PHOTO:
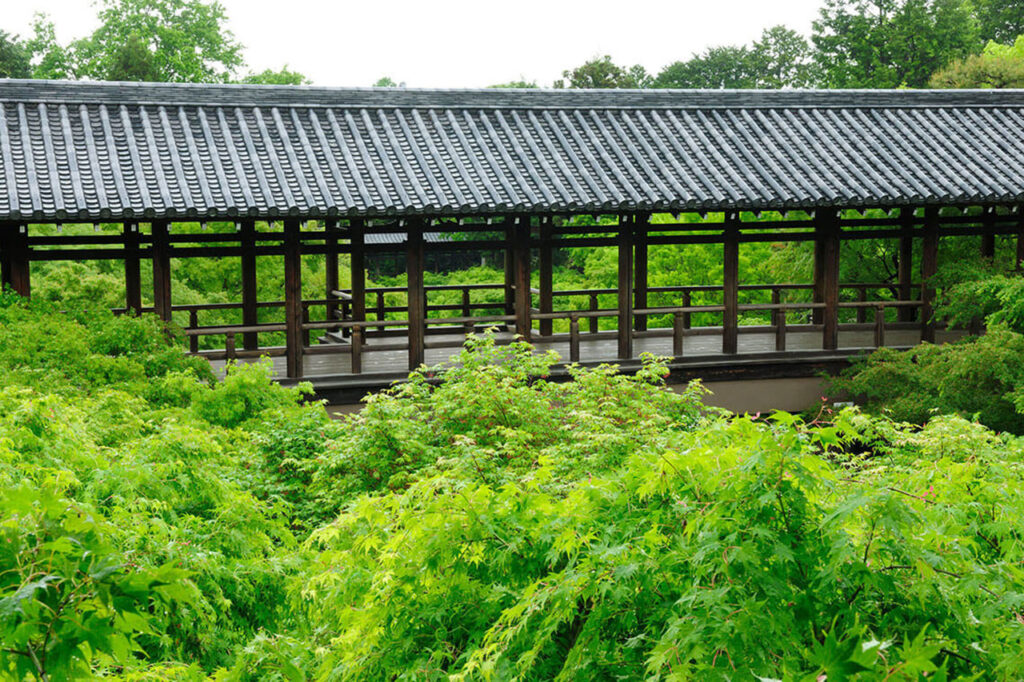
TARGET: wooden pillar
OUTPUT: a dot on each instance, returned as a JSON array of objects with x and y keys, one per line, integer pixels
[
  {"x": 250, "y": 314},
  {"x": 357, "y": 275},
  {"x": 905, "y": 264},
  {"x": 988, "y": 239},
  {"x": 416, "y": 295},
  {"x": 625, "y": 293},
  {"x": 640, "y": 270},
  {"x": 161, "y": 270},
  {"x": 546, "y": 303},
  {"x": 510, "y": 276},
  {"x": 818, "y": 292},
  {"x": 331, "y": 283},
  {"x": 15, "y": 257},
  {"x": 132, "y": 274},
  {"x": 730, "y": 284},
  {"x": 828, "y": 227},
  {"x": 929, "y": 264},
  {"x": 294, "y": 335},
  {"x": 522, "y": 277}
]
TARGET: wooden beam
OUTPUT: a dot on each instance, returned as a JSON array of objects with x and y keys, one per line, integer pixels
[
  {"x": 905, "y": 264},
  {"x": 15, "y": 257},
  {"x": 161, "y": 270},
  {"x": 294, "y": 337},
  {"x": 546, "y": 304},
  {"x": 730, "y": 285},
  {"x": 522, "y": 278},
  {"x": 132, "y": 269},
  {"x": 640, "y": 270},
  {"x": 929, "y": 265},
  {"x": 625, "y": 292},
  {"x": 416, "y": 295},
  {"x": 250, "y": 296},
  {"x": 829, "y": 245}
]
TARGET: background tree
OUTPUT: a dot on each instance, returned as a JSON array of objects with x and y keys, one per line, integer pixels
[
  {"x": 283, "y": 76},
  {"x": 782, "y": 58},
  {"x": 14, "y": 58},
  {"x": 1000, "y": 20},
  {"x": 50, "y": 59},
  {"x": 601, "y": 72},
  {"x": 715, "y": 68},
  {"x": 999, "y": 66},
  {"x": 891, "y": 43},
  {"x": 519, "y": 84},
  {"x": 385, "y": 82}
]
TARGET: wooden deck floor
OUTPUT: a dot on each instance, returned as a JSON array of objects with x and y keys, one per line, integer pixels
[{"x": 382, "y": 367}]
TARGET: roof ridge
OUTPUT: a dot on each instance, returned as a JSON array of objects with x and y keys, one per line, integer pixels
[{"x": 219, "y": 94}]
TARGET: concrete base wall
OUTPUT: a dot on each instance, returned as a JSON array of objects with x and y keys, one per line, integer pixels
[{"x": 765, "y": 395}]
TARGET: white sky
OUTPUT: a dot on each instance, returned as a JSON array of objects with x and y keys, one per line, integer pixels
[{"x": 461, "y": 43}]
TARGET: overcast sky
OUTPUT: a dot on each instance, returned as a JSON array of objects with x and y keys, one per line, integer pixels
[{"x": 461, "y": 43}]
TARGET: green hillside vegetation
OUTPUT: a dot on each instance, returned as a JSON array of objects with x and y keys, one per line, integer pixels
[{"x": 479, "y": 522}]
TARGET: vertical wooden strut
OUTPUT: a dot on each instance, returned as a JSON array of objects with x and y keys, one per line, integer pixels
[
  {"x": 929, "y": 264},
  {"x": 331, "y": 283},
  {"x": 818, "y": 291},
  {"x": 250, "y": 315},
  {"x": 625, "y": 293},
  {"x": 828, "y": 224},
  {"x": 15, "y": 257},
  {"x": 730, "y": 284},
  {"x": 416, "y": 295},
  {"x": 522, "y": 277},
  {"x": 357, "y": 267},
  {"x": 294, "y": 335},
  {"x": 132, "y": 275},
  {"x": 161, "y": 270},
  {"x": 906, "y": 262},
  {"x": 546, "y": 276},
  {"x": 640, "y": 270},
  {"x": 510, "y": 276}
]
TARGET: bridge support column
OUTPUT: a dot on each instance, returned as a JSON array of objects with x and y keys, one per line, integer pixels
[
  {"x": 161, "y": 270},
  {"x": 294, "y": 334},
  {"x": 929, "y": 265},
  {"x": 625, "y": 292},
  {"x": 640, "y": 271},
  {"x": 521, "y": 261},
  {"x": 15, "y": 258},
  {"x": 730, "y": 285},
  {"x": 905, "y": 263},
  {"x": 250, "y": 316},
  {"x": 132, "y": 275},
  {"x": 546, "y": 303},
  {"x": 416, "y": 295},
  {"x": 828, "y": 224}
]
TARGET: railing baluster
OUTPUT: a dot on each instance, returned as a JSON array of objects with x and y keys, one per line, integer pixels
[
  {"x": 229, "y": 345},
  {"x": 574, "y": 337},
  {"x": 193, "y": 323},
  {"x": 380, "y": 306},
  {"x": 779, "y": 320},
  {"x": 687, "y": 298},
  {"x": 593, "y": 307},
  {"x": 467, "y": 326},
  {"x": 357, "y": 350},
  {"x": 879, "y": 326},
  {"x": 678, "y": 329}
]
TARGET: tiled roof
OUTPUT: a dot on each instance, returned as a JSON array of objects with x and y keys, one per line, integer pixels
[{"x": 118, "y": 150}]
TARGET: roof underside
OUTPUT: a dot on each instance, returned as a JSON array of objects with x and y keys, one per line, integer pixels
[{"x": 126, "y": 151}]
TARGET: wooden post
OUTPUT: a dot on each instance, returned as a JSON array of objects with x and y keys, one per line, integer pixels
[
  {"x": 828, "y": 226},
  {"x": 293, "y": 298},
  {"x": 546, "y": 276},
  {"x": 678, "y": 330},
  {"x": 510, "y": 267},
  {"x": 574, "y": 338},
  {"x": 250, "y": 297},
  {"x": 357, "y": 260},
  {"x": 15, "y": 259},
  {"x": 161, "y": 270},
  {"x": 779, "y": 320},
  {"x": 906, "y": 263},
  {"x": 625, "y": 293},
  {"x": 818, "y": 295},
  {"x": 331, "y": 282},
  {"x": 357, "y": 350},
  {"x": 132, "y": 276},
  {"x": 929, "y": 264},
  {"x": 730, "y": 285},
  {"x": 522, "y": 277},
  {"x": 416, "y": 303},
  {"x": 640, "y": 270},
  {"x": 988, "y": 239}
]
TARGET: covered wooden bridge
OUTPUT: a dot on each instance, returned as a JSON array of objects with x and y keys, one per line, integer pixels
[{"x": 286, "y": 172}]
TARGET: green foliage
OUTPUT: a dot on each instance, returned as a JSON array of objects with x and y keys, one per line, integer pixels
[
  {"x": 283, "y": 76},
  {"x": 999, "y": 66},
  {"x": 1000, "y": 20},
  {"x": 601, "y": 72},
  {"x": 15, "y": 61},
  {"x": 891, "y": 43}
]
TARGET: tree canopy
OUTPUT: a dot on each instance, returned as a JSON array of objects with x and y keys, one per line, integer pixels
[
  {"x": 14, "y": 57},
  {"x": 999, "y": 66}
]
